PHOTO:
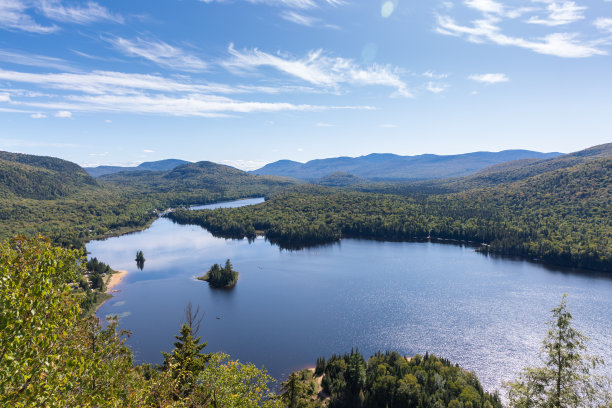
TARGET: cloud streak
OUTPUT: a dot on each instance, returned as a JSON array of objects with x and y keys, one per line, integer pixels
[
  {"x": 161, "y": 53},
  {"x": 489, "y": 78},
  {"x": 15, "y": 15},
  {"x": 319, "y": 69},
  {"x": 102, "y": 91},
  {"x": 488, "y": 28}
]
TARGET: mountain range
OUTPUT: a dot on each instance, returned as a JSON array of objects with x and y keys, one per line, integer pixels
[
  {"x": 159, "y": 165},
  {"x": 389, "y": 167}
]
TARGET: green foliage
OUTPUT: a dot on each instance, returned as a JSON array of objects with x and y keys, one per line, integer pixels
[
  {"x": 221, "y": 277},
  {"x": 561, "y": 217},
  {"x": 49, "y": 356},
  {"x": 56, "y": 198},
  {"x": 391, "y": 380},
  {"x": 52, "y": 357},
  {"x": 565, "y": 379}
]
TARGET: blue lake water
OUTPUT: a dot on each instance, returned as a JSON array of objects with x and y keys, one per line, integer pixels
[{"x": 486, "y": 313}]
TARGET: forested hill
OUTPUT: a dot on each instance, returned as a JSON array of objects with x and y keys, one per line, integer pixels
[
  {"x": 196, "y": 183},
  {"x": 515, "y": 170},
  {"x": 159, "y": 165},
  {"x": 40, "y": 177},
  {"x": 561, "y": 216},
  {"x": 394, "y": 167},
  {"x": 60, "y": 200}
]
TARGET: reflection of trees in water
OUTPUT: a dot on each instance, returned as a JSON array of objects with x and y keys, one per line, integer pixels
[{"x": 140, "y": 260}]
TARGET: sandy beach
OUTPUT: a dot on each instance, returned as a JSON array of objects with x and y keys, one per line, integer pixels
[{"x": 115, "y": 279}]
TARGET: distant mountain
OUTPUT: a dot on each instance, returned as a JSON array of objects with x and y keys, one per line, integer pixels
[
  {"x": 167, "y": 164},
  {"x": 518, "y": 170},
  {"x": 40, "y": 177},
  {"x": 393, "y": 167}
]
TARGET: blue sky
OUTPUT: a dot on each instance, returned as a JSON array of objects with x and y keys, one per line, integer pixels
[{"x": 247, "y": 82}]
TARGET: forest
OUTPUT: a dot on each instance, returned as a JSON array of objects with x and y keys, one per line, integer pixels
[{"x": 560, "y": 217}]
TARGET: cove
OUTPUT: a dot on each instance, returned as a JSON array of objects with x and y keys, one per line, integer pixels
[{"x": 487, "y": 314}]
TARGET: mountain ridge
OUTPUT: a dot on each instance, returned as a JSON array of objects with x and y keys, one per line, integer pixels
[
  {"x": 166, "y": 164},
  {"x": 389, "y": 166}
]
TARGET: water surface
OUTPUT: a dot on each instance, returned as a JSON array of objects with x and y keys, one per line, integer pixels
[{"x": 486, "y": 313}]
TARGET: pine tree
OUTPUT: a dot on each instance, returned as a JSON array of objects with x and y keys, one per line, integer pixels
[
  {"x": 292, "y": 391},
  {"x": 566, "y": 378},
  {"x": 187, "y": 361}
]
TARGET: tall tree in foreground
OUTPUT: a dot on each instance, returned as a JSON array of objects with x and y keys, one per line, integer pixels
[{"x": 566, "y": 378}]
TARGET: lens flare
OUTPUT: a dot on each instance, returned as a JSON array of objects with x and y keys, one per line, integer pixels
[{"x": 388, "y": 7}]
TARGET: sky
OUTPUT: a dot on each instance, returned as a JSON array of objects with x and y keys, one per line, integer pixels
[{"x": 248, "y": 82}]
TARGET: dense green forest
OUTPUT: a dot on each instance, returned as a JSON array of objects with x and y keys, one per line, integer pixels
[
  {"x": 388, "y": 380},
  {"x": 562, "y": 216},
  {"x": 60, "y": 200}
]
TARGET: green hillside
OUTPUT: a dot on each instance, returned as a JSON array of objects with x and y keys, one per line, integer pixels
[
  {"x": 562, "y": 216},
  {"x": 39, "y": 177},
  {"x": 57, "y": 198}
]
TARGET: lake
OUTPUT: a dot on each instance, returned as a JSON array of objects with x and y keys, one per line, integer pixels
[{"x": 486, "y": 313}]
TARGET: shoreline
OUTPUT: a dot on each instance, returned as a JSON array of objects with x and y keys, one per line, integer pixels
[{"x": 114, "y": 280}]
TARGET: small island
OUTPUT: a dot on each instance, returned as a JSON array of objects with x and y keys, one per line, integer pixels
[{"x": 218, "y": 277}]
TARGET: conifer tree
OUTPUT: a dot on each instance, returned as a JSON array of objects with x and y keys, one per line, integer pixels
[{"x": 566, "y": 377}]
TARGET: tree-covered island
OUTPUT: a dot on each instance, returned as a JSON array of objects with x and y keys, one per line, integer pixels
[{"x": 221, "y": 277}]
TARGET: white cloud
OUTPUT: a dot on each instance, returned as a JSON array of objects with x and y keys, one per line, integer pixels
[
  {"x": 433, "y": 75},
  {"x": 566, "y": 45},
  {"x": 38, "y": 115},
  {"x": 299, "y": 4},
  {"x": 486, "y": 6},
  {"x": 13, "y": 16},
  {"x": 489, "y": 78},
  {"x": 319, "y": 69},
  {"x": 144, "y": 94},
  {"x": 559, "y": 13},
  {"x": 436, "y": 87},
  {"x": 148, "y": 151},
  {"x": 34, "y": 60},
  {"x": 298, "y": 18},
  {"x": 388, "y": 126},
  {"x": 245, "y": 165},
  {"x": 321, "y": 124},
  {"x": 604, "y": 23},
  {"x": 88, "y": 13},
  {"x": 160, "y": 53},
  {"x": 63, "y": 114},
  {"x": 4, "y": 97}
]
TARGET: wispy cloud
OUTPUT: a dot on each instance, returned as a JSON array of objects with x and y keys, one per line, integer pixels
[
  {"x": 489, "y": 78},
  {"x": 604, "y": 24},
  {"x": 320, "y": 70},
  {"x": 33, "y": 60},
  {"x": 298, "y": 18},
  {"x": 4, "y": 97},
  {"x": 324, "y": 125},
  {"x": 63, "y": 114},
  {"x": 84, "y": 13},
  {"x": 297, "y": 4},
  {"x": 16, "y": 15},
  {"x": 559, "y": 13},
  {"x": 144, "y": 94},
  {"x": 488, "y": 28},
  {"x": 38, "y": 115},
  {"x": 436, "y": 87},
  {"x": 159, "y": 52},
  {"x": 13, "y": 16}
]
